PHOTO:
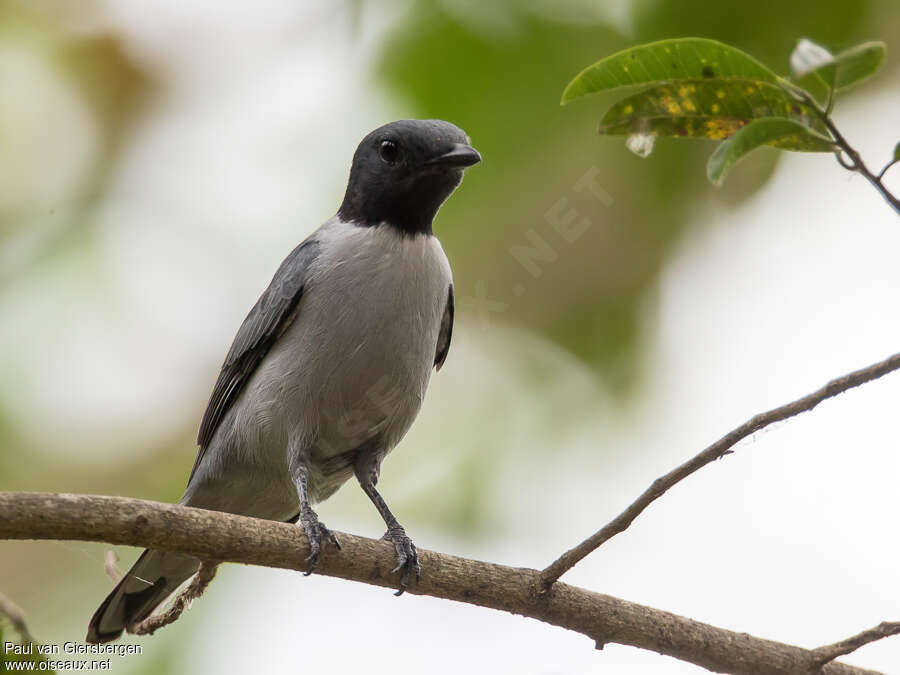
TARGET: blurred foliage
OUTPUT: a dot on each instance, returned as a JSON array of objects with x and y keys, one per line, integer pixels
[
  {"x": 12, "y": 657},
  {"x": 51, "y": 65},
  {"x": 497, "y": 70}
]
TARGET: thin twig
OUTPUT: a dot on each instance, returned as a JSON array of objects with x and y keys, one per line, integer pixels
[
  {"x": 16, "y": 617},
  {"x": 194, "y": 590},
  {"x": 111, "y": 567},
  {"x": 830, "y": 652},
  {"x": 857, "y": 164},
  {"x": 860, "y": 165},
  {"x": 718, "y": 449},
  {"x": 839, "y": 156},
  {"x": 212, "y": 535}
]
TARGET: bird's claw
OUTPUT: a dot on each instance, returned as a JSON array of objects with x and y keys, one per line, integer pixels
[
  {"x": 316, "y": 532},
  {"x": 407, "y": 556}
]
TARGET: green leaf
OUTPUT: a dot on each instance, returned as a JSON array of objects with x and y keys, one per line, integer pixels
[
  {"x": 666, "y": 60},
  {"x": 858, "y": 63},
  {"x": 897, "y": 152},
  {"x": 779, "y": 131},
  {"x": 849, "y": 66},
  {"x": 703, "y": 109}
]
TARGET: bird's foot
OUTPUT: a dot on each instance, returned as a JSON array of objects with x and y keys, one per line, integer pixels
[
  {"x": 317, "y": 533},
  {"x": 407, "y": 556}
]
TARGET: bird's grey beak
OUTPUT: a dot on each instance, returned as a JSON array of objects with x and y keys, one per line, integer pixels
[{"x": 460, "y": 155}]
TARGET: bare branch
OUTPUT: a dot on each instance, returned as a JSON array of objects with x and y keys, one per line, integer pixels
[
  {"x": 715, "y": 451},
  {"x": 212, "y": 535},
  {"x": 194, "y": 590},
  {"x": 831, "y": 652},
  {"x": 16, "y": 617}
]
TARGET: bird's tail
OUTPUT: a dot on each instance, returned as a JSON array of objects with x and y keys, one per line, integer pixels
[{"x": 152, "y": 579}]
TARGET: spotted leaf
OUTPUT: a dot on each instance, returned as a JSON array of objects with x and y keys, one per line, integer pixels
[
  {"x": 781, "y": 131},
  {"x": 712, "y": 109},
  {"x": 666, "y": 60}
]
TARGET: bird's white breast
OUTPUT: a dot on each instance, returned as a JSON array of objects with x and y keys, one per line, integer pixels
[{"x": 357, "y": 359}]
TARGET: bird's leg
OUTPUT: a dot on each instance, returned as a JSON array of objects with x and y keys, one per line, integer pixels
[
  {"x": 407, "y": 556},
  {"x": 315, "y": 530}
]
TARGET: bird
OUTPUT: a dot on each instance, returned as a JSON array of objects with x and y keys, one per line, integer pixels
[{"x": 330, "y": 367}]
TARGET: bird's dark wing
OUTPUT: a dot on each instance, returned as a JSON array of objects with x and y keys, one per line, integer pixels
[
  {"x": 443, "y": 343},
  {"x": 271, "y": 315}
]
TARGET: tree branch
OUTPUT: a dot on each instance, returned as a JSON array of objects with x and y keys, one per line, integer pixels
[
  {"x": 715, "y": 451},
  {"x": 831, "y": 652},
  {"x": 211, "y": 535}
]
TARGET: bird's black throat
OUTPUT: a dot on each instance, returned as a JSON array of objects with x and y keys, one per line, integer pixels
[{"x": 408, "y": 204}]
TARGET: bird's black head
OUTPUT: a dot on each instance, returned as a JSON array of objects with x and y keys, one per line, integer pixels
[{"x": 403, "y": 172}]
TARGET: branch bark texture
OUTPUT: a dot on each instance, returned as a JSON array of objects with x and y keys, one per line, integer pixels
[{"x": 215, "y": 536}]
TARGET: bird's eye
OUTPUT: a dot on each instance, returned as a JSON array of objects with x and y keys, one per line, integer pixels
[{"x": 389, "y": 152}]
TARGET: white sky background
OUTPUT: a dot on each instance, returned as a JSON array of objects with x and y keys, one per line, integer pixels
[{"x": 791, "y": 538}]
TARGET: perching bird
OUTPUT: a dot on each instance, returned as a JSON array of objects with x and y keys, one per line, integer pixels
[{"x": 329, "y": 369}]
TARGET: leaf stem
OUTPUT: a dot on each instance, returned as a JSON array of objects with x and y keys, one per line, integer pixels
[
  {"x": 830, "y": 105},
  {"x": 829, "y": 100},
  {"x": 887, "y": 166}
]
